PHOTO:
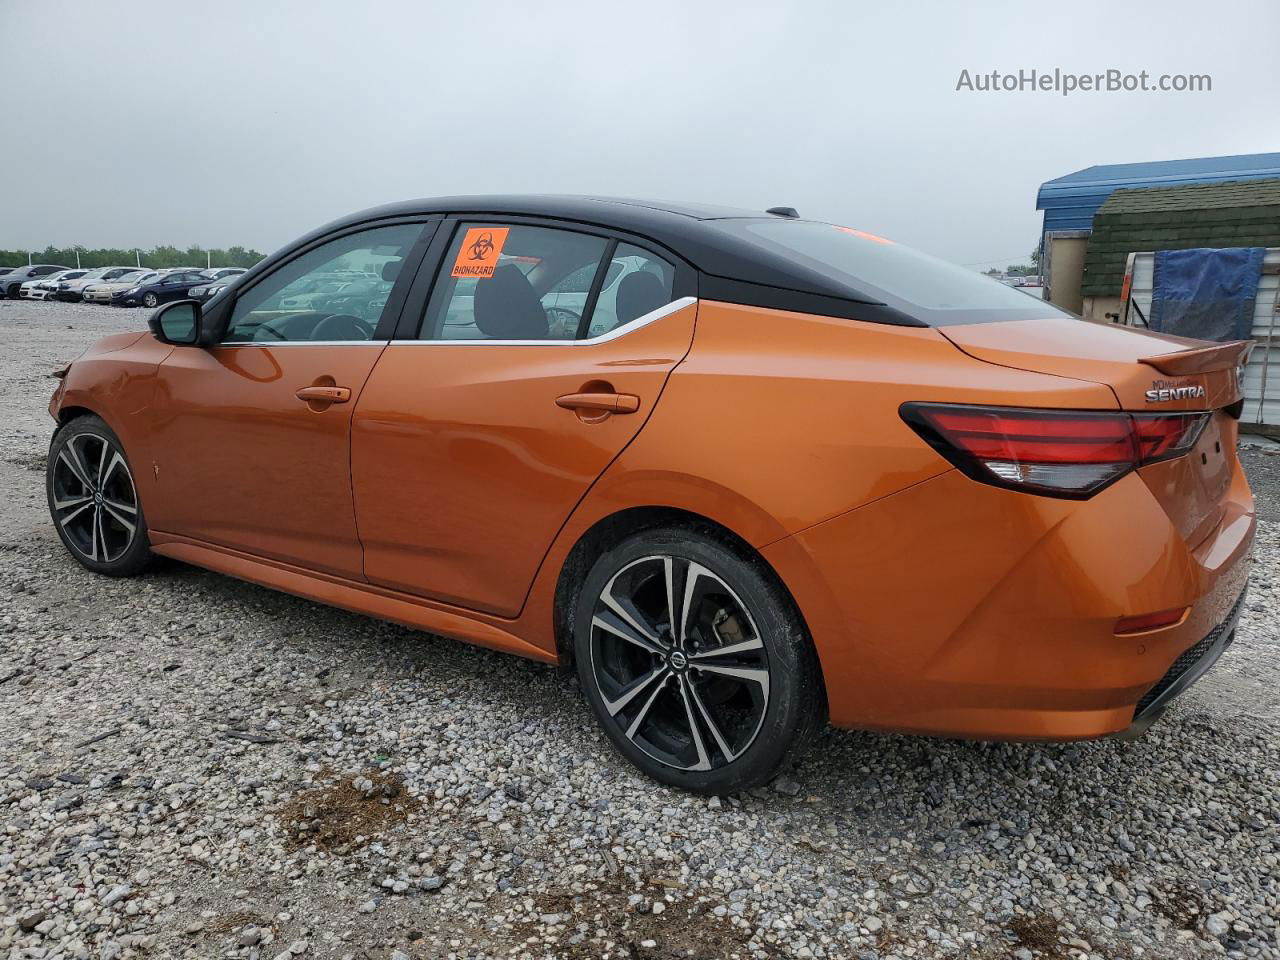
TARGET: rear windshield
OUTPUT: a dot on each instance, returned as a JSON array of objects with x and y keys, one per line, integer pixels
[{"x": 931, "y": 290}]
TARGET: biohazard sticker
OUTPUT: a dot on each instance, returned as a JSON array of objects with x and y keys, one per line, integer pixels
[{"x": 478, "y": 255}]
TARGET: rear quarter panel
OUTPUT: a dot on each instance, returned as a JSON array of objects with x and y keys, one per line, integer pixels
[{"x": 777, "y": 420}]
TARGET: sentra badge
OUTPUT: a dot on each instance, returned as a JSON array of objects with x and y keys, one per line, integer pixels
[{"x": 1162, "y": 391}]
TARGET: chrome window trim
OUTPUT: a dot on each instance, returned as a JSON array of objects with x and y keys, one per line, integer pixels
[
  {"x": 641, "y": 321},
  {"x": 302, "y": 343}
]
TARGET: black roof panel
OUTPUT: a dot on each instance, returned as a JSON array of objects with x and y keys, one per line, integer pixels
[{"x": 732, "y": 267}]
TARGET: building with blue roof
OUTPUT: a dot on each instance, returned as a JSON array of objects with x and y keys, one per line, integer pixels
[{"x": 1070, "y": 203}]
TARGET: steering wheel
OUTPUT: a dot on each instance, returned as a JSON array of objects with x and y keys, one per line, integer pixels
[{"x": 341, "y": 326}]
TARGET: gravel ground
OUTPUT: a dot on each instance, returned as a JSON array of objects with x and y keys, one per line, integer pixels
[{"x": 195, "y": 767}]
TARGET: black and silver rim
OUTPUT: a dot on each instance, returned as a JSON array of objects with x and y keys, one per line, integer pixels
[
  {"x": 94, "y": 500},
  {"x": 679, "y": 663}
]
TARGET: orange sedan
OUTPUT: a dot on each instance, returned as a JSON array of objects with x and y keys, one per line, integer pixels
[{"x": 748, "y": 472}]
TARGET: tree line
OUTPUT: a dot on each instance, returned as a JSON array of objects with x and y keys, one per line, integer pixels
[{"x": 155, "y": 258}]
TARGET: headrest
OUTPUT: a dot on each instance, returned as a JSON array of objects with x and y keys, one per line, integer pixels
[
  {"x": 507, "y": 308},
  {"x": 638, "y": 294},
  {"x": 391, "y": 270}
]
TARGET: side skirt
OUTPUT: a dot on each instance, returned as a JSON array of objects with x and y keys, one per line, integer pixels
[{"x": 402, "y": 608}]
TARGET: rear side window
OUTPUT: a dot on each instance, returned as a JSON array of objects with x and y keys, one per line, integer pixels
[
  {"x": 638, "y": 283},
  {"x": 932, "y": 290},
  {"x": 517, "y": 282}
]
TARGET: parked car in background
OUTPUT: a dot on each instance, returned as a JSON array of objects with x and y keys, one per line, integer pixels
[
  {"x": 357, "y": 296},
  {"x": 73, "y": 290},
  {"x": 42, "y": 288},
  {"x": 11, "y": 282},
  {"x": 221, "y": 273},
  {"x": 101, "y": 291},
  {"x": 159, "y": 289},
  {"x": 207, "y": 291}
]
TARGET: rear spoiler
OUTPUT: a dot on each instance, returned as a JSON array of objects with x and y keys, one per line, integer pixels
[{"x": 1217, "y": 356}]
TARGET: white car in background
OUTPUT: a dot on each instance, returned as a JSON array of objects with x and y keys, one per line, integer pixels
[
  {"x": 42, "y": 288},
  {"x": 73, "y": 290},
  {"x": 100, "y": 290}
]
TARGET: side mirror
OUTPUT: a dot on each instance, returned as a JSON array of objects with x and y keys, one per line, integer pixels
[{"x": 177, "y": 323}]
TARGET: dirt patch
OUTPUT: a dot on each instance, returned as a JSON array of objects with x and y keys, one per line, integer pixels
[
  {"x": 1181, "y": 906},
  {"x": 676, "y": 932},
  {"x": 230, "y": 922},
  {"x": 348, "y": 813},
  {"x": 1037, "y": 932},
  {"x": 34, "y": 462}
]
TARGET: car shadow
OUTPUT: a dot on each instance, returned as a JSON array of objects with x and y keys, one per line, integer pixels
[{"x": 934, "y": 783}]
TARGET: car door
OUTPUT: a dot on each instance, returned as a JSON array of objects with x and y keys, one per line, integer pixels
[
  {"x": 252, "y": 435},
  {"x": 174, "y": 286},
  {"x": 488, "y": 419}
]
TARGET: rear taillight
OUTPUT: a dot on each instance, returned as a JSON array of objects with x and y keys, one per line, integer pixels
[{"x": 1060, "y": 453}]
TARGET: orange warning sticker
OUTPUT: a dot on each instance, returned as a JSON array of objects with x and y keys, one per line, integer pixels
[
  {"x": 478, "y": 255},
  {"x": 864, "y": 235}
]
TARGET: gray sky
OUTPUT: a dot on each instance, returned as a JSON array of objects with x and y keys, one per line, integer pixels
[{"x": 252, "y": 122}]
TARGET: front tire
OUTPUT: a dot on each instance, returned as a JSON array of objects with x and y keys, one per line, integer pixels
[
  {"x": 93, "y": 500},
  {"x": 695, "y": 662},
  {"x": 150, "y": 300}
]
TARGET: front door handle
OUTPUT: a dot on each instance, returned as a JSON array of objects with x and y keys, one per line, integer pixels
[
  {"x": 600, "y": 402},
  {"x": 325, "y": 395}
]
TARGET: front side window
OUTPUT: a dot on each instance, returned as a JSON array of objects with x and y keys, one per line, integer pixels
[
  {"x": 336, "y": 291},
  {"x": 512, "y": 283}
]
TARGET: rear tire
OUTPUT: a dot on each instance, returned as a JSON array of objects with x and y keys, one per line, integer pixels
[
  {"x": 93, "y": 500},
  {"x": 695, "y": 662}
]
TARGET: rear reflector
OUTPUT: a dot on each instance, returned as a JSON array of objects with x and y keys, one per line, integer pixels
[
  {"x": 1063, "y": 453},
  {"x": 1150, "y": 621}
]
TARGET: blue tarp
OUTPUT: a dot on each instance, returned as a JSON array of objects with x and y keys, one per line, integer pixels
[{"x": 1206, "y": 293}]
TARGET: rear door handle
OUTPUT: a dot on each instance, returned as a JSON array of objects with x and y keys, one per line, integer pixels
[
  {"x": 600, "y": 402},
  {"x": 324, "y": 394}
]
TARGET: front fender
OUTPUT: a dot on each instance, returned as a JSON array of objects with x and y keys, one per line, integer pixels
[{"x": 115, "y": 379}]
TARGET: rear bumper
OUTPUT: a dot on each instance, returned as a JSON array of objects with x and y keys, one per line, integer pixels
[
  {"x": 1192, "y": 664},
  {"x": 957, "y": 609}
]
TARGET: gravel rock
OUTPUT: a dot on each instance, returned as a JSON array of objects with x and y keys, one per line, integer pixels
[{"x": 358, "y": 789}]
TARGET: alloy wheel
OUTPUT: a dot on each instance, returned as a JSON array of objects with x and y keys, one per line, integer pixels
[
  {"x": 150, "y": 300},
  {"x": 94, "y": 499},
  {"x": 679, "y": 663}
]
